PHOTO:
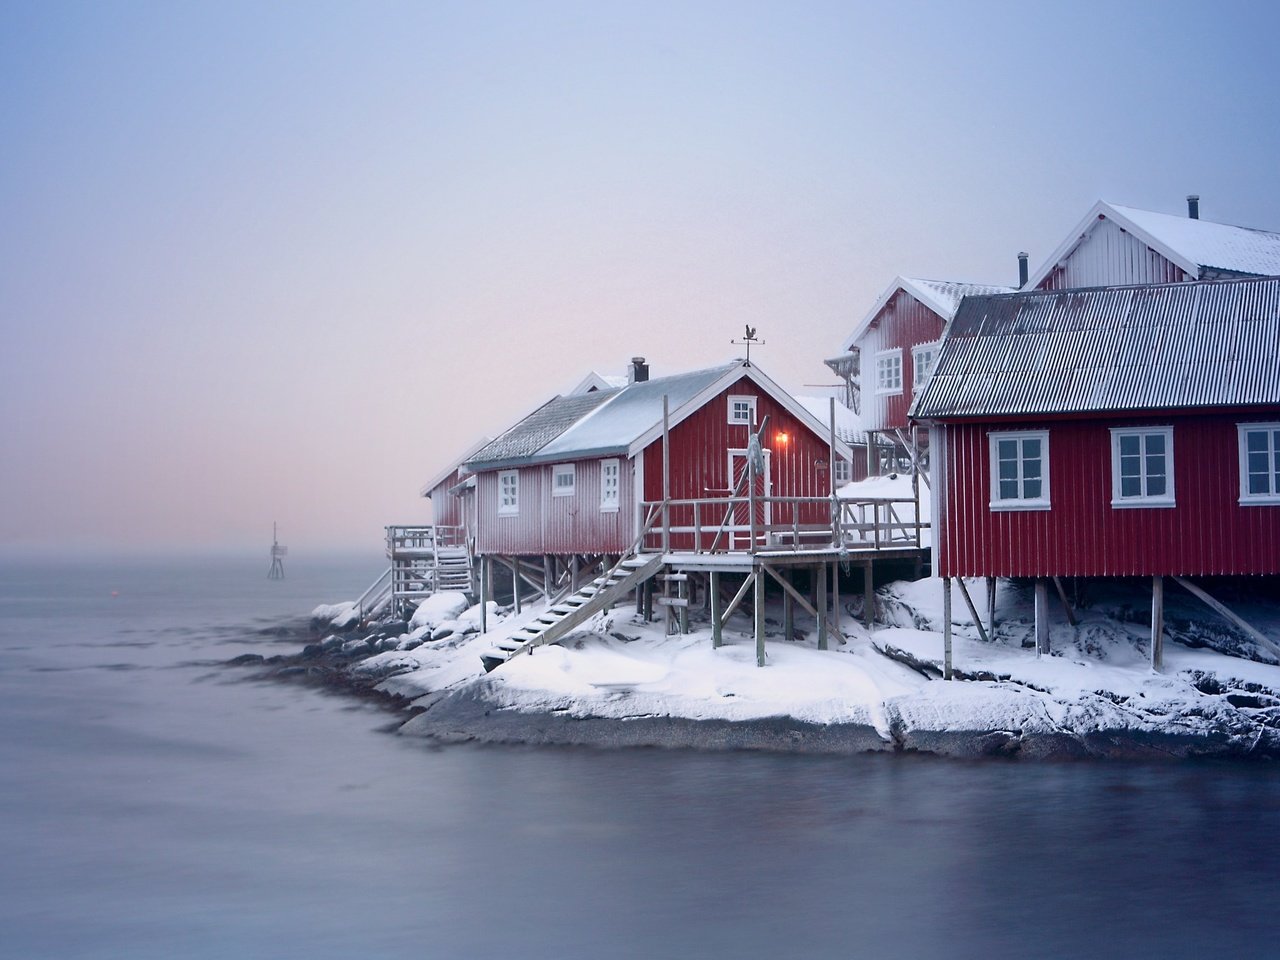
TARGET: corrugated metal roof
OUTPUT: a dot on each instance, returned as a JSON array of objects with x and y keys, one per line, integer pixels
[
  {"x": 542, "y": 426},
  {"x": 1145, "y": 347}
]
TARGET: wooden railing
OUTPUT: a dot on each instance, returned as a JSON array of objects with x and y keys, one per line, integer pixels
[
  {"x": 405, "y": 539},
  {"x": 751, "y": 525}
]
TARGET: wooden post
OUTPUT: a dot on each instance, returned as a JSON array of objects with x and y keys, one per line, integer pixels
[
  {"x": 991, "y": 607},
  {"x": 1157, "y": 623},
  {"x": 648, "y": 601},
  {"x": 515, "y": 583},
  {"x": 1258, "y": 636},
  {"x": 486, "y": 577},
  {"x": 915, "y": 478},
  {"x": 835, "y": 600},
  {"x": 868, "y": 595},
  {"x": 716, "y": 604},
  {"x": 573, "y": 574},
  {"x": 1066, "y": 604},
  {"x": 820, "y": 575},
  {"x": 666, "y": 475},
  {"x": 873, "y": 461},
  {"x": 946, "y": 628},
  {"x": 759, "y": 601},
  {"x": 1042, "y": 616},
  {"x": 973, "y": 610},
  {"x": 788, "y": 611}
]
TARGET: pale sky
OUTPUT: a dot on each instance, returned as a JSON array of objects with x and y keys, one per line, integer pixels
[{"x": 284, "y": 261}]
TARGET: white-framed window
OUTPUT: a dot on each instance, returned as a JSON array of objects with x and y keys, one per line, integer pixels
[
  {"x": 843, "y": 471},
  {"x": 610, "y": 473},
  {"x": 923, "y": 359},
  {"x": 889, "y": 371},
  {"x": 1019, "y": 469},
  {"x": 1259, "y": 462},
  {"x": 563, "y": 478},
  {"x": 509, "y": 492},
  {"x": 742, "y": 410},
  {"x": 1142, "y": 467}
]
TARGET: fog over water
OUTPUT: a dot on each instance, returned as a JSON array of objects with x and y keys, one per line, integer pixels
[{"x": 154, "y": 803}]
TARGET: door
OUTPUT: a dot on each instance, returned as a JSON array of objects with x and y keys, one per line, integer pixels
[{"x": 740, "y": 528}]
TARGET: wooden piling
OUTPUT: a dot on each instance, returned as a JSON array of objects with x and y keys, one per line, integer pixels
[
  {"x": 759, "y": 612},
  {"x": 716, "y": 604},
  {"x": 1042, "y": 616},
  {"x": 1157, "y": 623},
  {"x": 946, "y": 628}
]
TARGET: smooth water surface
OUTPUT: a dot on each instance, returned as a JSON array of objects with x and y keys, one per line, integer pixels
[{"x": 154, "y": 803}]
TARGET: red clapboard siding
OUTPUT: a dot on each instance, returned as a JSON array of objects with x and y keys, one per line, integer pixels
[
  {"x": 700, "y": 448},
  {"x": 904, "y": 323},
  {"x": 446, "y": 509},
  {"x": 1207, "y": 533},
  {"x": 558, "y": 525}
]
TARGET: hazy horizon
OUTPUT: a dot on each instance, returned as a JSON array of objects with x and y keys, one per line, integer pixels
[{"x": 283, "y": 263}]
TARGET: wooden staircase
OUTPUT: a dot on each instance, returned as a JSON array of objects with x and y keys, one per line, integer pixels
[{"x": 575, "y": 609}]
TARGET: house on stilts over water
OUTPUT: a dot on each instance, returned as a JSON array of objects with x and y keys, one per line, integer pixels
[{"x": 1128, "y": 431}]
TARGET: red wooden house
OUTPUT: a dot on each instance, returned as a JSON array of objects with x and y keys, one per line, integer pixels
[
  {"x": 1119, "y": 431},
  {"x": 892, "y": 351},
  {"x": 579, "y": 474}
]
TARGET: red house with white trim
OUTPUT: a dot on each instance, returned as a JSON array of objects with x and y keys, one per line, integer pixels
[
  {"x": 1114, "y": 431},
  {"x": 892, "y": 352},
  {"x": 574, "y": 477}
]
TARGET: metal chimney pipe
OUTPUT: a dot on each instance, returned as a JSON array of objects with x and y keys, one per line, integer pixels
[
  {"x": 1193, "y": 206},
  {"x": 1022, "y": 270},
  {"x": 639, "y": 370}
]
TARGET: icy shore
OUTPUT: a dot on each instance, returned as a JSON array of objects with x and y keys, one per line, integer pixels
[{"x": 621, "y": 682}]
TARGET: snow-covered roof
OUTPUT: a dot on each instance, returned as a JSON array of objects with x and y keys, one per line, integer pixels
[
  {"x": 1193, "y": 245},
  {"x": 940, "y": 296},
  {"x": 847, "y": 428},
  {"x": 622, "y": 422},
  {"x": 1199, "y": 344},
  {"x": 595, "y": 380}
]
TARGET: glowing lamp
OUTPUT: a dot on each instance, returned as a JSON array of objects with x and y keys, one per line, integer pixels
[{"x": 782, "y": 439}]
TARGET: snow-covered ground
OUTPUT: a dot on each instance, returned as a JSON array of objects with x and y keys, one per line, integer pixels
[{"x": 1097, "y": 683}]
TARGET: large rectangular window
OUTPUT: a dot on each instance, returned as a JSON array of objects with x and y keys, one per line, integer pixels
[
  {"x": 1019, "y": 470},
  {"x": 889, "y": 371},
  {"x": 1259, "y": 462},
  {"x": 609, "y": 489},
  {"x": 563, "y": 479},
  {"x": 1142, "y": 467},
  {"x": 509, "y": 492}
]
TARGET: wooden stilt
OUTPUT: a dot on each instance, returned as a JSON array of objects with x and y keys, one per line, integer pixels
[
  {"x": 868, "y": 596},
  {"x": 788, "y": 611},
  {"x": 486, "y": 576},
  {"x": 1042, "y": 616},
  {"x": 759, "y": 611},
  {"x": 573, "y": 574},
  {"x": 1157, "y": 623},
  {"x": 648, "y": 601},
  {"x": 1261, "y": 639},
  {"x": 946, "y": 628},
  {"x": 820, "y": 575},
  {"x": 991, "y": 607},
  {"x": 835, "y": 602},
  {"x": 1066, "y": 604},
  {"x": 973, "y": 610},
  {"x": 714, "y": 594}
]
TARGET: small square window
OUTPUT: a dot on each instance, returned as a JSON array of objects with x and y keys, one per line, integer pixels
[
  {"x": 742, "y": 410},
  {"x": 1019, "y": 470},
  {"x": 563, "y": 477},
  {"x": 509, "y": 492},
  {"x": 1142, "y": 467},
  {"x": 1259, "y": 462},
  {"x": 889, "y": 371},
  {"x": 843, "y": 471}
]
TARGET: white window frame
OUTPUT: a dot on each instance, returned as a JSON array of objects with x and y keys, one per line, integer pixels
[
  {"x": 844, "y": 471},
  {"x": 511, "y": 508},
  {"x": 888, "y": 359},
  {"x": 608, "y": 504},
  {"x": 1142, "y": 500},
  {"x": 750, "y": 401},
  {"x": 993, "y": 452},
  {"x": 558, "y": 473},
  {"x": 918, "y": 378},
  {"x": 1258, "y": 499}
]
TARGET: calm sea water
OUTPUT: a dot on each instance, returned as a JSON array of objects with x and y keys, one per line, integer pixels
[{"x": 154, "y": 803}]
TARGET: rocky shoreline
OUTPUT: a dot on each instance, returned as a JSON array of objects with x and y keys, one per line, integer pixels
[{"x": 470, "y": 714}]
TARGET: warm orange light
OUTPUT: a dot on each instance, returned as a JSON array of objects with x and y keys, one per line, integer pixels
[{"x": 782, "y": 439}]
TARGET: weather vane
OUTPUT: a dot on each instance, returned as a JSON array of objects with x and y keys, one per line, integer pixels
[{"x": 748, "y": 340}]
